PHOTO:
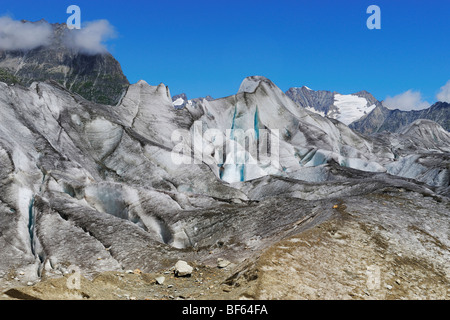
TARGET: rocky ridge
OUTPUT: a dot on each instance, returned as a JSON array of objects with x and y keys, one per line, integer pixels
[{"x": 382, "y": 119}]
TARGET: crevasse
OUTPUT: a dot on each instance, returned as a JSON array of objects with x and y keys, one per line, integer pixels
[{"x": 31, "y": 219}]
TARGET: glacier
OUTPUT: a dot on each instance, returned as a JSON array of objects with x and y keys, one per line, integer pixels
[{"x": 96, "y": 186}]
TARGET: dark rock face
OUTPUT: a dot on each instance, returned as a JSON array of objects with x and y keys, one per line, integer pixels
[
  {"x": 383, "y": 119},
  {"x": 380, "y": 119},
  {"x": 368, "y": 96},
  {"x": 321, "y": 100},
  {"x": 98, "y": 78},
  {"x": 180, "y": 101}
]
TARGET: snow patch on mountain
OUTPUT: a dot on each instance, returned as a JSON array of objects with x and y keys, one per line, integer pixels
[
  {"x": 350, "y": 108},
  {"x": 178, "y": 102},
  {"x": 345, "y": 108}
]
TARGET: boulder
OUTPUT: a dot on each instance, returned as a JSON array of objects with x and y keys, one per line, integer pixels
[{"x": 183, "y": 269}]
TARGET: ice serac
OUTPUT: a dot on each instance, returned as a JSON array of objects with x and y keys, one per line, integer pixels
[
  {"x": 61, "y": 153},
  {"x": 151, "y": 114},
  {"x": 95, "y": 186},
  {"x": 431, "y": 164},
  {"x": 303, "y": 138}
]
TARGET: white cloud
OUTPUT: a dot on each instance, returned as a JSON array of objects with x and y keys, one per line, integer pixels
[
  {"x": 444, "y": 93},
  {"x": 18, "y": 35},
  {"x": 406, "y": 101},
  {"x": 91, "y": 37}
]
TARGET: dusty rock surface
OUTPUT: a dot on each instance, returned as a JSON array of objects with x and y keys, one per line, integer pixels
[{"x": 381, "y": 254}]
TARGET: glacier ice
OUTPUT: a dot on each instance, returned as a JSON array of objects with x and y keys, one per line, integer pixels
[{"x": 78, "y": 178}]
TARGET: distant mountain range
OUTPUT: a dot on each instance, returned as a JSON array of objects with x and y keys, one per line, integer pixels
[
  {"x": 98, "y": 78},
  {"x": 383, "y": 119},
  {"x": 362, "y": 112},
  {"x": 181, "y": 100},
  {"x": 345, "y": 108}
]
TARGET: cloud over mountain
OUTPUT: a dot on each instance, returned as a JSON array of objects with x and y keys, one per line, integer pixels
[
  {"x": 91, "y": 38},
  {"x": 444, "y": 93},
  {"x": 406, "y": 101},
  {"x": 18, "y": 35},
  {"x": 24, "y": 35}
]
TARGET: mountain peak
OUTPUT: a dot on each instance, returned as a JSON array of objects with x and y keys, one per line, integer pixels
[
  {"x": 39, "y": 21},
  {"x": 96, "y": 77},
  {"x": 345, "y": 108},
  {"x": 384, "y": 119},
  {"x": 423, "y": 124},
  {"x": 250, "y": 84},
  {"x": 142, "y": 83}
]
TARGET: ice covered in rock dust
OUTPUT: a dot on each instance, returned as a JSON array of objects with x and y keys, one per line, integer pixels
[{"x": 96, "y": 186}]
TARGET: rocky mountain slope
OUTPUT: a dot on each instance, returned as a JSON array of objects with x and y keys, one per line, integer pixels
[
  {"x": 96, "y": 77},
  {"x": 345, "y": 108},
  {"x": 362, "y": 112},
  {"x": 383, "y": 119},
  {"x": 142, "y": 184}
]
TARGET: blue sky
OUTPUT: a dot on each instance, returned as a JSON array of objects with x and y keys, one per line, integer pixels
[{"x": 209, "y": 47}]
